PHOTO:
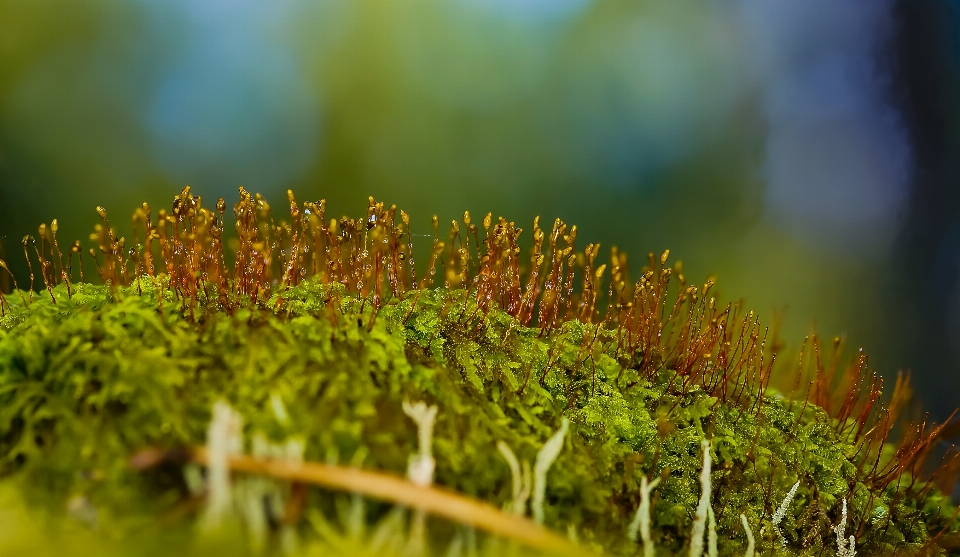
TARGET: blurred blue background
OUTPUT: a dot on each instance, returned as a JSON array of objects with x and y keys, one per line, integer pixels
[{"x": 805, "y": 153}]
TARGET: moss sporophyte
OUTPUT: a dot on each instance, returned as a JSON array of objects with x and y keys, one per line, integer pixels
[{"x": 302, "y": 387}]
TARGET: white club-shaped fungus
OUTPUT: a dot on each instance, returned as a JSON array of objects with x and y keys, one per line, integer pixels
[
  {"x": 224, "y": 438},
  {"x": 521, "y": 480},
  {"x": 641, "y": 521},
  {"x": 703, "y": 507},
  {"x": 751, "y": 543},
  {"x": 421, "y": 465},
  {"x": 420, "y": 468},
  {"x": 546, "y": 456}
]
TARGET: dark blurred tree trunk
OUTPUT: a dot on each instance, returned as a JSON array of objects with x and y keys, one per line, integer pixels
[{"x": 924, "y": 294}]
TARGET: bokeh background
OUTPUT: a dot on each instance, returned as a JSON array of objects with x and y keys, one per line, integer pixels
[{"x": 807, "y": 153}]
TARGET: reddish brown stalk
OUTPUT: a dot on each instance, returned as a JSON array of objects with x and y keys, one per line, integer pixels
[
  {"x": 3, "y": 265},
  {"x": 652, "y": 324}
]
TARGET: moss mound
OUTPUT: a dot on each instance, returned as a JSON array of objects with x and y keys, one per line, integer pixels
[
  {"x": 88, "y": 381},
  {"x": 320, "y": 333}
]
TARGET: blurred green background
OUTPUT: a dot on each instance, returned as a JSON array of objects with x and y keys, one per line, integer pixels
[{"x": 804, "y": 153}]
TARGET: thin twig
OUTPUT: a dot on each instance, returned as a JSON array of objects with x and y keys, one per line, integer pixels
[{"x": 377, "y": 485}]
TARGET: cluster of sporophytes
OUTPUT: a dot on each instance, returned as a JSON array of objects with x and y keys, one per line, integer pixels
[{"x": 302, "y": 387}]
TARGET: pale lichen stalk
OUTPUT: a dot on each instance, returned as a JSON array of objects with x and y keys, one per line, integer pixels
[
  {"x": 782, "y": 512},
  {"x": 546, "y": 456},
  {"x": 641, "y": 521},
  {"x": 224, "y": 438},
  {"x": 703, "y": 507}
]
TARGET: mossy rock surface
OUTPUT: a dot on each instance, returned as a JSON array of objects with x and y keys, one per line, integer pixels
[{"x": 107, "y": 371}]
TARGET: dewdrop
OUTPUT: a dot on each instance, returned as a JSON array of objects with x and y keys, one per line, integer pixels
[
  {"x": 546, "y": 456},
  {"x": 641, "y": 521},
  {"x": 703, "y": 508},
  {"x": 782, "y": 511}
]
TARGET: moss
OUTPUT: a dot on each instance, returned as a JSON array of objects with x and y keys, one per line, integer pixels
[
  {"x": 87, "y": 381},
  {"x": 104, "y": 371}
]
